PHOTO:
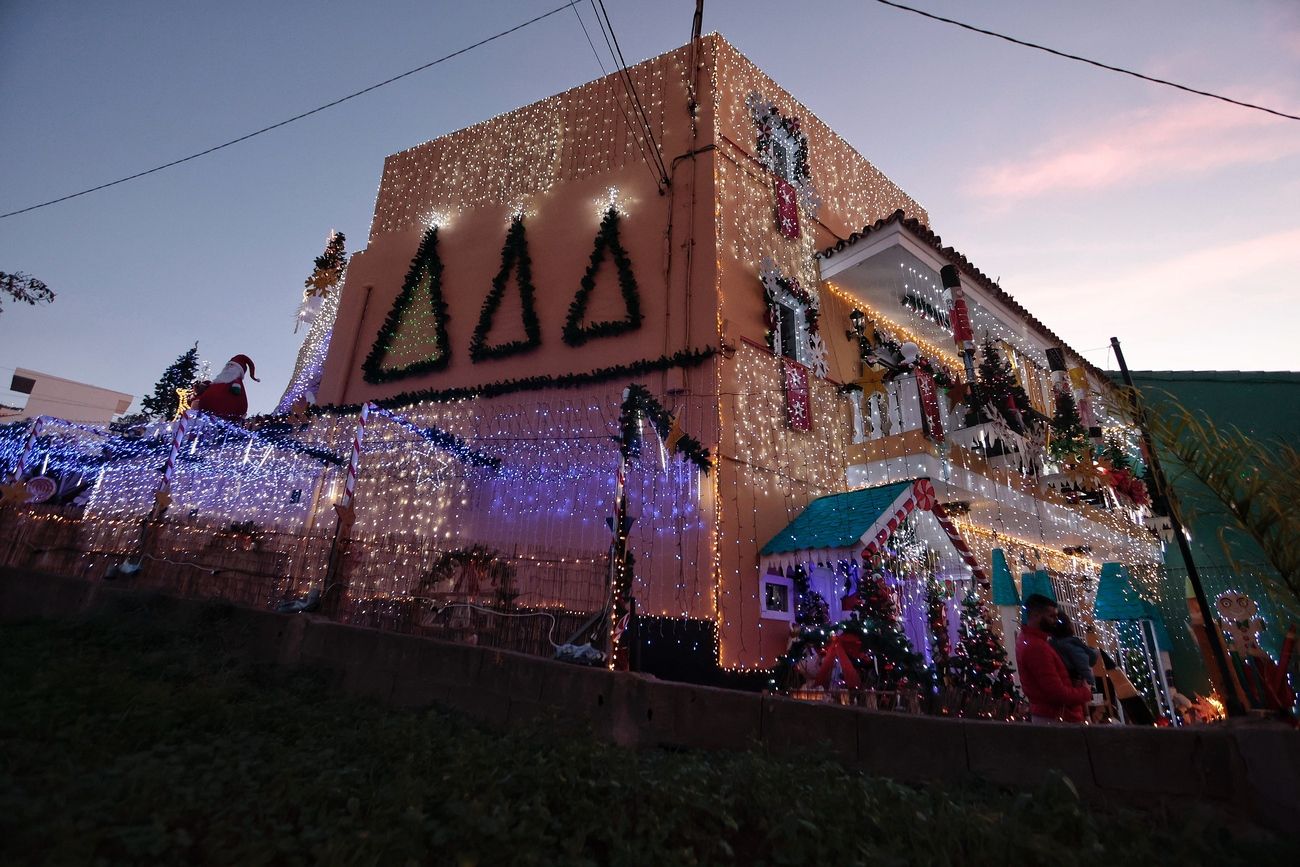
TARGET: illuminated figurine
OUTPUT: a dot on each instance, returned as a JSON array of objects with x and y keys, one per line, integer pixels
[
  {"x": 224, "y": 396},
  {"x": 1241, "y": 622}
]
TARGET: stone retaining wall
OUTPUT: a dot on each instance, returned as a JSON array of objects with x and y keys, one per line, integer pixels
[{"x": 1251, "y": 769}]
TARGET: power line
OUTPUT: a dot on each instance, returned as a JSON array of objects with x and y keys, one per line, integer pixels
[
  {"x": 296, "y": 117},
  {"x": 635, "y": 96},
  {"x": 613, "y": 96},
  {"x": 1095, "y": 63},
  {"x": 617, "y": 53}
]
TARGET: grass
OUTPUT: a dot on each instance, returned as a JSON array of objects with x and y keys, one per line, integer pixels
[{"x": 126, "y": 743}]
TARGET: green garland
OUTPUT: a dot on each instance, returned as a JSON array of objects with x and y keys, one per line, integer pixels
[
  {"x": 640, "y": 400},
  {"x": 514, "y": 256},
  {"x": 684, "y": 358},
  {"x": 575, "y": 333},
  {"x": 426, "y": 263}
]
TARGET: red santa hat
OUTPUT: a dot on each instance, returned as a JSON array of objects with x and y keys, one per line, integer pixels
[{"x": 247, "y": 363}]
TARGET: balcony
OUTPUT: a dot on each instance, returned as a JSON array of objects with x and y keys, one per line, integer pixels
[{"x": 987, "y": 464}]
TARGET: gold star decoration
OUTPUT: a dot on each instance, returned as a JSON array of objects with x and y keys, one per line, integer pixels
[
  {"x": 14, "y": 494},
  {"x": 298, "y": 412},
  {"x": 872, "y": 381},
  {"x": 184, "y": 400}
]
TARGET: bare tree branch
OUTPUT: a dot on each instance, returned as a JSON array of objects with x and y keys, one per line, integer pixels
[{"x": 24, "y": 287}]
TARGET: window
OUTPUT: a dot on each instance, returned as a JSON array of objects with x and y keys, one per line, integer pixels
[
  {"x": 792, "y": 314},
  {"x": 782, "y": 149},
  {"x": 777, "y": 597},
  {"x": 788, "y": 319}
]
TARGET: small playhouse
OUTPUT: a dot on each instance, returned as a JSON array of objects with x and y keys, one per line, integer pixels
[
  {"x": 817, "y": 570},
  {"x": 884, "y": 597}
]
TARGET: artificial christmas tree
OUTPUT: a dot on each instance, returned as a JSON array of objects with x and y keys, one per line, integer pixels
[
  {"x": 177, "y": 378},
  {"x": 1113, "y": 451},
  {"x": 1124, "y": 477},
  {"x": 896, "y": 663},
  {"x": 329, "y": 266},
  {"x": 979, "y": 663},
  {"x": 999, "y": 388},
  {"x": 318, "y": 310},
  {"x": 1069, "y": 441},
  {"x": 937, "y": 620}
]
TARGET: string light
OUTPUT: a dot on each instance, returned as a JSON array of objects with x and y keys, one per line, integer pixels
[{"x": 542, "y": 506}]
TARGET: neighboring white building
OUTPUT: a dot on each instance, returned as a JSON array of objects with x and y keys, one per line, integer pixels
[{"x": 66, "y": 399}]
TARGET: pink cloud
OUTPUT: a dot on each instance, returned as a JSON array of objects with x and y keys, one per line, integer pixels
[
  {"x": 1177, "y": 141},
  {"x": 1268, "y": 259},
  {"x": 1221, "y": 306}
]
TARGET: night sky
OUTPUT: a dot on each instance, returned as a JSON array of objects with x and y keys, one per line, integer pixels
[{"x": 1106, "y": 205}]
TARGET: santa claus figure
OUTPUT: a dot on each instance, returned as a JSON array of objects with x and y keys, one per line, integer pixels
[{"x": 224, "y": 396}]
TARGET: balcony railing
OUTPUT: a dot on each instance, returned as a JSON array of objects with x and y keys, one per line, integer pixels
[{"x": 883, "y": 419}]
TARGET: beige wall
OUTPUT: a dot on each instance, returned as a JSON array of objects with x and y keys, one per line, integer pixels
[
  {"x": 768, "y": 473},
  {"x": 557, "y": 160},
  {"x": 69, "y": 400},
  {"x": 695, "y": 251}
]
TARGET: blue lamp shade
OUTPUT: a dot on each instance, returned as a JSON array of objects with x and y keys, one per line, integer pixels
[
  {"x": 1116, "y": 598},
  {"x": 1164, "y": 642},
  {"x": 1004, "y": 586},
  {"x": 1036, "y": 582}
]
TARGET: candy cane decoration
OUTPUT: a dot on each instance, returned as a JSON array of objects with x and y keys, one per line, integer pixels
[
  {"x": 967, "y": 556},
  {"x": 38, "y": 425},
  {"x": 922, "y": 497},
  {"x": 183, "y": 423},
  {"x": 350, "y": 484}
]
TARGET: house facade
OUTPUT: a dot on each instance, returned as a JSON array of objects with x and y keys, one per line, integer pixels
[{"x": 787, "y": 302}]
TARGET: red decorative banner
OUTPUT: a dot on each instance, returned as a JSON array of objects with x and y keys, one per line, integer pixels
[
  {"x": 798, "y": 399},
  {"x": 787, "y": 209},
  {"x": 929, "y": 405}
]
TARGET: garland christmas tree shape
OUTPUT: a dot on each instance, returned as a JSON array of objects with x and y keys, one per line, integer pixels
[
  {"x": 683, "y": 358},
  {"x": 639, "y": 400},
  {"x": 575, "y": 333},
  {"x": 400, "y": 332},
  {"x": 514, "y": 256}
]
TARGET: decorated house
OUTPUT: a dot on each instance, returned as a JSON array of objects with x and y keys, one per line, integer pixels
[
  {"x": 741, "y": 272},
  {"x": 832, "y": 394}
]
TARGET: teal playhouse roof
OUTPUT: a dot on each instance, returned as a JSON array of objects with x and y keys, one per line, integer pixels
[{"x": 836, "y": 520}]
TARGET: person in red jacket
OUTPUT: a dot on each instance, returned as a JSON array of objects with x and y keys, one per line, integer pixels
[{"x": 1043, "y": 677}]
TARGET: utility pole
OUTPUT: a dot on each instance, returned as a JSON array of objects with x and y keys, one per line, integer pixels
[
  {"x": 698, "y": 23},
  {"x": 1164, "y": 495}
]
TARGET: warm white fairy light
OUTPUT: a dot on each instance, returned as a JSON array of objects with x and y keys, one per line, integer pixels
[{"x": 696, "y": 538}]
